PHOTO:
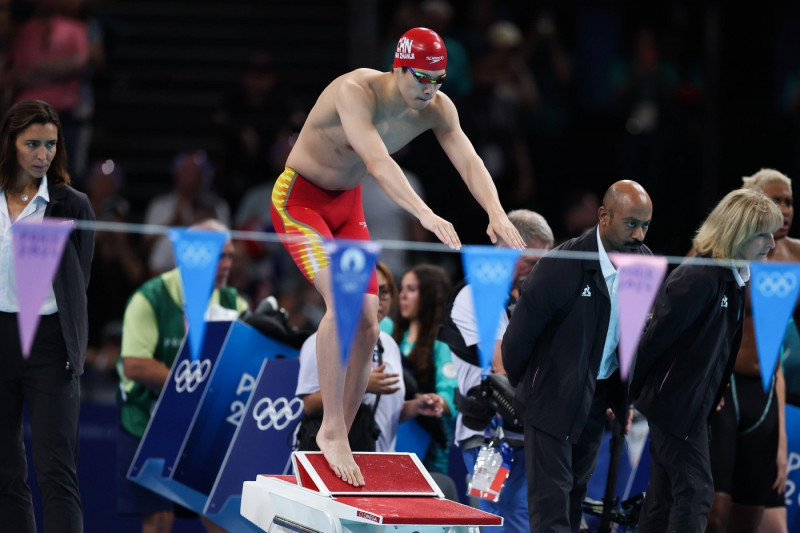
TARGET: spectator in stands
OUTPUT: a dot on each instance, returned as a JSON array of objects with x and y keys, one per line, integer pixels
[
  {"x": 117, "y": 269},
  {"x": 579, "y": 215},
  {"x": 385, "y": 390},
  {"x": 546, "y": 126},
  {"x": 250, "y": 120},
  {"x": 6, "y": 34},
  {"x": 84, "y": 112},
  {"x": 47, "y": 60},
  {"x": 103, "y": 185},
  {"x": 505, "y": 90},
  {"x": 190, "y": 201},
  {"x": 439, "y": 15},
  {"x": 192, "y": 179},
  {"x": 658, "y": 130},
  {"x": 100, "y": 381},
  {"x": 643, "y": 84},
  {"x": 423, "y": 295},
  {"x": 152, "y": 331},
  {"x": 271, "y": 270}
]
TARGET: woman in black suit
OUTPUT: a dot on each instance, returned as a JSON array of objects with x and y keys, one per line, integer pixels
[{"x": 35, "y": 185}]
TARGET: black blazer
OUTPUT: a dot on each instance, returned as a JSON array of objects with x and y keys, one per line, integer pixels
[
  {"x": 72, "y": 276},
  {"x": 554, "y": 342},
  {"x": 686, "y": 354}
]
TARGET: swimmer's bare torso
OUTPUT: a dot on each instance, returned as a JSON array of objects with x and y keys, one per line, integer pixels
[{"x": 324, "y": 155}]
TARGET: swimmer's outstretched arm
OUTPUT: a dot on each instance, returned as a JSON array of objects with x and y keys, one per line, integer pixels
[{"x": 474, "y": 173}]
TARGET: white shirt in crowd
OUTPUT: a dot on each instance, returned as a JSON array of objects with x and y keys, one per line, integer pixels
[
  {"x": 463, "y": 315},
  {"x": 387, "y": 416}
]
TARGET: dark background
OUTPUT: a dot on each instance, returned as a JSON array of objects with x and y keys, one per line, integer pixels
[{"x": 171, "y": 64}]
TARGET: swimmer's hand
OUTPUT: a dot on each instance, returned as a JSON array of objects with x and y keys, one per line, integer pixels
[
  {"x": 443, "y": 229},
  {"x": 500, "y": 226}
]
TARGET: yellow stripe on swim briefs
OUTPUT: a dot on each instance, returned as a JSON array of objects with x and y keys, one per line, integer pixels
[{"x": 308, "y": 253}]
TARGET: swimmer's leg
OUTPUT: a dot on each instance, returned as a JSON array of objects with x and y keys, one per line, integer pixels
[{"x": 342, "y": 390}]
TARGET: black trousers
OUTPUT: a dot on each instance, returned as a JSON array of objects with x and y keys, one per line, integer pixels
[
  {"x": 52, "y": 394},
  {"x": 680, "y": 490},
  {"x": 558, "y": 470}
]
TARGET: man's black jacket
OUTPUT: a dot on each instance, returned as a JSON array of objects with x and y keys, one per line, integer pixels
[{"x": 555, "y": 339}]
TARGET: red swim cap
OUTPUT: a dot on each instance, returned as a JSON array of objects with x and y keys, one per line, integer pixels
[{"x": 420, "y": 48}]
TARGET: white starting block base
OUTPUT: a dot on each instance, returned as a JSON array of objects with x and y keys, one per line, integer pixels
[{"x": 315, "y": 501}]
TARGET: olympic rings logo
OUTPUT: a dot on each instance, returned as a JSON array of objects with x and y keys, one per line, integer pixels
[
  {"x": 776, "y": 283},
  {"x": 196, "y": 254},
  {"x": 276, "y": 414},
  {"x": 190, "y": 374},
  {"x": 491, "y": 272}
]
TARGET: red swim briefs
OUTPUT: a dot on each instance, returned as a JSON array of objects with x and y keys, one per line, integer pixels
[{"x": 300, "y": 208}]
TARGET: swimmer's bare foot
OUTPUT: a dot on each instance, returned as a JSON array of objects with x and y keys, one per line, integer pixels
[{"x": 340, "y": 458}]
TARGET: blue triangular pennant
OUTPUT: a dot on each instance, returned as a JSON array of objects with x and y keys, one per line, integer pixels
[
  {"x": 773, "y": 290},
  {"x": 489, "y": 270},
  {"x": 197, "y": 254},
  {"x": 352, "y": 266}
]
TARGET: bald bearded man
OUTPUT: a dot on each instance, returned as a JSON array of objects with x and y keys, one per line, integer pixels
[{"x": 560, "y": 351}]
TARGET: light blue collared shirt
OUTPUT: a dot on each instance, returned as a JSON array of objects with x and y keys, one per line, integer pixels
[
  {"x": 33, "y": 212},
  {"x": 609, "y": 363}
]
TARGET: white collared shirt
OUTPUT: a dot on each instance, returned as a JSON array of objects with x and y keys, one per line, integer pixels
[
  {"x": 33, "y": 212},
  {"x": 609, "y": 363}
]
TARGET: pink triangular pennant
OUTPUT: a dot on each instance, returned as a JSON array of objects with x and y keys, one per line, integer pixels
[
  {"x": 639, "y": 278},
  {"x": 37, "y": 252}
]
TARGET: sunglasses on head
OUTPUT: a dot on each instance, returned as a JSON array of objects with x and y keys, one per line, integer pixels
[{"x": 425, "y": 78}]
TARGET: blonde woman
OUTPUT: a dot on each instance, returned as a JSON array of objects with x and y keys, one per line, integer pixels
[
  {"x": 749, "y": 445},
  {"x": 686, "y": 356}
]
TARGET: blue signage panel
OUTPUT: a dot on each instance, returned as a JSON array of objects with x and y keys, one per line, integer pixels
[
  {"x": 175, "y": 409},
  {"x": 222, "y": 407},
  {"x": 792, "y": 493},
  {"x": 262, "y": 443}
]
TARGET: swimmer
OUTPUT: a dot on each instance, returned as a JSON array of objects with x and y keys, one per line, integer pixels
[{"x": 357, "y": 122}]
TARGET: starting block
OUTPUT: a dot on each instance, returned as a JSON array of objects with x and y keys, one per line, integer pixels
[{"x": 399, "y": 496}]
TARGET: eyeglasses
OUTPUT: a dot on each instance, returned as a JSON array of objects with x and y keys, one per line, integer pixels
[{"x": 426, "y": 79}]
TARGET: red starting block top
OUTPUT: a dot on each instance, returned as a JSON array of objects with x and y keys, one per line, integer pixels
[
  {"x": 403, "y": 510},
  {"x": 385, "y": 474},
  {"x": 391, "y": 510}
]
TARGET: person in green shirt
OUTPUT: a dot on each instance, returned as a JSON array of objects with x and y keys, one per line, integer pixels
[{"x": 153, "y": 330}]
